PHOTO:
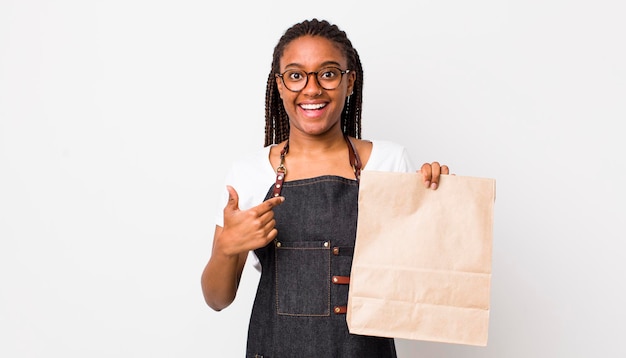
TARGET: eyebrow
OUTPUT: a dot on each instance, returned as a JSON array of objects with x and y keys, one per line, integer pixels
[{"x": 323, "y": 64}]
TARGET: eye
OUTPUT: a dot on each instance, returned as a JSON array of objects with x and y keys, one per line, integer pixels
[
  {"x": 294, "y": 76},
  {"x": 329, "y": 73}
]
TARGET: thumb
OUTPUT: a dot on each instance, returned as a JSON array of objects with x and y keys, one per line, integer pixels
[{"x": 233, "y": 199}]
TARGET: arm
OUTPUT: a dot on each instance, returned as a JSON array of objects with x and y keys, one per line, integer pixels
[
  {"x": 243, "y": 230},
  {"x": 221, "y": 275}
]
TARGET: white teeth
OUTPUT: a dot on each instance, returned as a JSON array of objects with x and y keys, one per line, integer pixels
[{"x": 313, "y": 105}]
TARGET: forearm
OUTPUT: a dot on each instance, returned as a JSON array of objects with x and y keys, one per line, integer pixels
[
  {"x": 243, "y": 231},
  {"x": 220, "y": 280},
  {"x": 221, "y": 275}
]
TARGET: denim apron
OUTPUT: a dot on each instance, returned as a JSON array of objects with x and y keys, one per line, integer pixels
[{"x": 300, "y": 305}]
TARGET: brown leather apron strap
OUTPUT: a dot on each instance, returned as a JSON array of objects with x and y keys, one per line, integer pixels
[
  {"x": 341, "y": 280},
  {"x": 340, "y": 309},
  {"x": 281, "y": 171},
  {"x": 355, "y": 161}
]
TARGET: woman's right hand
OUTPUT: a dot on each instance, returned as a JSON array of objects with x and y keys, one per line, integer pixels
[
  {"x": 246, "y": 230},
  {"x": 243, "y": 230}
]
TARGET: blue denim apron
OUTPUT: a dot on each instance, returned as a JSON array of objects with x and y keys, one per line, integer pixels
[{"x": 300, "y": 305}]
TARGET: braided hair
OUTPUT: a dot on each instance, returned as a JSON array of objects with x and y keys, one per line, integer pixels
[{"x": 276, "y": 119}]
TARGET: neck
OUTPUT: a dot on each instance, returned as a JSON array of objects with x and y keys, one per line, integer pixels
[{"x": 307, "y": 144}]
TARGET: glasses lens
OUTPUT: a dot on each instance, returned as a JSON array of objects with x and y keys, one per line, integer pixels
[
  {"x": 329, "y": 78},
  {"x": 295, "y": 80}
]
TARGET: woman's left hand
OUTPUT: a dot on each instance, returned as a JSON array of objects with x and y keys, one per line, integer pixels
[{"x": 431, "y": 173}]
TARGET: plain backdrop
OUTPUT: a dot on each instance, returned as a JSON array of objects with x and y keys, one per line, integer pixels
[{"x": 118, "y": 120}]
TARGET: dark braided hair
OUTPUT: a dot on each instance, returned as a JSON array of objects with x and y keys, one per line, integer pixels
[{"x": 276, "y": 120}]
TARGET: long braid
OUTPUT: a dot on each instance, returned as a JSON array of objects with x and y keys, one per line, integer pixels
[
  {"x": 351, "y": 116},
  {"x": 276, "y": 119}
]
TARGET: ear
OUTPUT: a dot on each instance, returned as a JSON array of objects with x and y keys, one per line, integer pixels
[{"x": 351, "y": 81}]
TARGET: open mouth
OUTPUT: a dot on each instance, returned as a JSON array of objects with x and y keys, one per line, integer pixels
[{"x": 312, "y": 106}]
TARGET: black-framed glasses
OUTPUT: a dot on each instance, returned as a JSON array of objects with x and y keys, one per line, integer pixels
[{"x": 328, "y": 78}]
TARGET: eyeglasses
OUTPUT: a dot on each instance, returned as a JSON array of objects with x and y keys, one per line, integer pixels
[{"x": 328, "y": 78}]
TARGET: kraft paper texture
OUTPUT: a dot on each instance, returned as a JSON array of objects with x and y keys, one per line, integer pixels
[{"x": 422, "y": 258}]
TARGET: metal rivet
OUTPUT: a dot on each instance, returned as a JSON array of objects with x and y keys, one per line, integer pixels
[
  {"x": 337, "y": 309},
  {"x": 278, "y": 244},
  {"x": 278, "y": 185},
  {"x": 326, "y": 244},
  {"x": 335, "y": 279},
  {"x": 280, "y": 177}
]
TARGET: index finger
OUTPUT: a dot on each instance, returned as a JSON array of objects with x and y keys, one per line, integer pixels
[
  {"x": 436, "y": 173},
  {"x": 268, "y": 204},
  {"x": 426, "y": 171}
]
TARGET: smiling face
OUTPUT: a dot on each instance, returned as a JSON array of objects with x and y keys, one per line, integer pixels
[{"x": 314, "y": 111}]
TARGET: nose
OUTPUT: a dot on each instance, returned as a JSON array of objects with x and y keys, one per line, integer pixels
[{"x": 312, "y": 87}]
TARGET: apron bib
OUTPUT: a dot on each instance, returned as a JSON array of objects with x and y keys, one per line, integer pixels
[{"x": 300, "y": 305}]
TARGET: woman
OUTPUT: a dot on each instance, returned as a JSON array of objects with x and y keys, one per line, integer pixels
[{"x": 294, "y": 203}]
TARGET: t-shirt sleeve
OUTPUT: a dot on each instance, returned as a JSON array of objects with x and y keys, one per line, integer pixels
[
  {"x": 223, "y": 199},
  {"x": 251, "y": 176},
  {"x": 230, "y": 179},
  {"x": 389, "y": 157},
  {"x": 405, "y": 164}
]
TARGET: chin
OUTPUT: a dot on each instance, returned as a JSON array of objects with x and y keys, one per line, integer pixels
[{"x": 316, "y": 130}]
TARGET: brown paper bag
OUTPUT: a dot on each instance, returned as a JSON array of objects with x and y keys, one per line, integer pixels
[{"x": 422, "y": 259}]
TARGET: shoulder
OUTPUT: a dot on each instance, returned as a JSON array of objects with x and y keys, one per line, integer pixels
[
  {"x": 251, "y": 175},
  {"x": 253, "y": 161},
  {"x": 386, "y": 146},
  {"x": 251, "y": 172},
  {"x": 389, "y": 156}
]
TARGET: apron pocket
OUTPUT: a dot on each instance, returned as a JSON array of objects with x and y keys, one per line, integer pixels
[{"x": 303, "y": 278}]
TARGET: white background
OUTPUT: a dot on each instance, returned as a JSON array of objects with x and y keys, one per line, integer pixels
[{"x": 118, "y": 119}]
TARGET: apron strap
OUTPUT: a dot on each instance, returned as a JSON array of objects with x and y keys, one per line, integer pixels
[
  {"x": 355, "y": 161},
  {"x": 281, "y": 171}
]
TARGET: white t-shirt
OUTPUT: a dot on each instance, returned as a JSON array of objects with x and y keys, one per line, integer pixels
[{"x": 253, "y": 175}]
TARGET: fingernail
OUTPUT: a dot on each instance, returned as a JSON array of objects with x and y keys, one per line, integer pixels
[
  {"x": 427, "y": 183},
  {"x": 433, "y": 186}
]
